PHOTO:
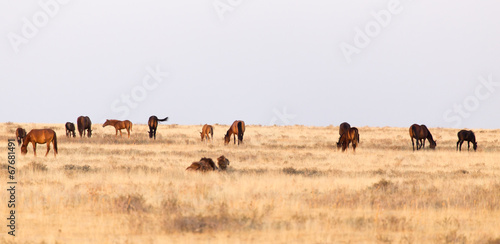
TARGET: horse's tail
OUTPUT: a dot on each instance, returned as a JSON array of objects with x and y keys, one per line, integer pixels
[
  {"x": 131, "y": 126},
  {"x": 55, "y": 143},
  {"x": 357, "y": 136},
  {"x": 240, "y": 131},
  {"x": 161, "y": 120},
  {"x": 414, "y": 130},
  {"x": 211, "y": 131}
]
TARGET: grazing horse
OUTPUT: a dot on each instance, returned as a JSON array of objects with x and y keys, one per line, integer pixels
[
  {"x": 70, "y": 129},
  {"x": 153, "y": 124},
  {"x": 205, "y": 164},
  {"x": 41, "y": 136},
  {"x": 466, "y": 135},
  {"x": 223, "y": 162},
  {"x": 420, "y": 133},
  {"x": 342, "y": 129},
  {"x": 84, "y": 124},
  {"x": 206, "y": 131},
  {"x": 349, "y": 136},
  {"x": 237, "y": 128},
  {"x": 119, "y": 125},
  {"x": 20, "y": 135}
]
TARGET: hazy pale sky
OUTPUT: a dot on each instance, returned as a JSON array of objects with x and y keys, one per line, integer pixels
[{"x": 315, "y": 62}]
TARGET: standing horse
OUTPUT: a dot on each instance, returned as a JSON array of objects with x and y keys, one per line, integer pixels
[
  {"x": 237, "y": 128},
  {"x": 349, "y": 136},
  {"x": 420, "y": 133},
  {"x": 344, "y": 127},
  {"x": 70, "y": 129},
  {"x": 206, "y": 131},
  {"x": 41, "y": 136},
  {"x": 153, "y": 124},
  {"x": 84, "y": 124},
  {"x": 466, "y": 135},
  {"x": 119, "y": 125},
  {"x": 20, "y": 135}
]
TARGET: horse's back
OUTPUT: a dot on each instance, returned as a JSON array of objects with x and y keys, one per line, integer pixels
[
  {"x": 41, "y": 135},
  {"x": 344, "y": 127}
]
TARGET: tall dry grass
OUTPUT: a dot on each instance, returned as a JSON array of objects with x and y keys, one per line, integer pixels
[{"x": 284, "y": 185}]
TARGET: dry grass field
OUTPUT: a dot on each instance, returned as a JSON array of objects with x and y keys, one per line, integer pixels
[{"x": 284, "y": 185}]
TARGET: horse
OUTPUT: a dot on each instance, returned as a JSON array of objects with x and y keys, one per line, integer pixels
[
  {"x": 420, "y": 133},
  {"x": 70, "y": 129},
  {"x": 223, "y": 162},
  {"x": 84, "y": 124},
  {"x": 41, "y": 136},
  {"x": 466, "y": 135},
  {"x": 153, "y": 124},
  {"x": 349, "y": 136},
  {"x": 20, "y": 135},
  {"x": 237, "y": 128},
  {"x": 205, "y": 164},
  {"x": 342, "y": 129},
  {"x": 119, "y": 125},
  {"x": 206, "y": 131}
]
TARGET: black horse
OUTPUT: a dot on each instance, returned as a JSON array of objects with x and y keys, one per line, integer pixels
[{"x": 466, "y": 135}]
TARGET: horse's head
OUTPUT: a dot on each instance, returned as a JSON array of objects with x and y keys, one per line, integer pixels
[
  {"x": 106, "y": 123},
  {"x": 89, "y": 134},
  {"x": 223, "y": 162},
  {"x": 433, "y": 144},
  {"x": 24, "y": 149},
  {"x": 202, "y": 136},
  {"x": 227, "y": 139},
  {"x": 475, "y": 146},
  {"x": 151, "y": 134}
]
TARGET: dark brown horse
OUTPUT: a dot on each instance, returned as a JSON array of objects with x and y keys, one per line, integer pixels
[
  {"x": 349, "y": 136},
  {"x": 84, "y": 124},
  {"x": 205, "y": 164},
  {"x": 70, "y": 129},
  {"x": 20, "y": 135},
  {"x": 153, "y": 124},
  {"x": 208, "y": 132},
  {"x": 466, "y": 135},
  {"x": 41, "y": 136},
  {"x": 237, "y": 128},
  {"x": 119, "y": 125},
  {"x": 420, "y": 133},
  {"x": 342, "y": 129}
]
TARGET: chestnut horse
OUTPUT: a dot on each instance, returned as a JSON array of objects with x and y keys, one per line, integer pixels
[
  {"x": 349, "y": 136},
  {"x": 206, "y": 131},
  {"x": 41, "y": 136},
  {"x": 70, "y": 129},
  {"x": 119, "y": 125},
  {"x": 420, "y": 133},
  {"x": 153, "y": 124},
  {"x": 20, "y": 135},
  {"x": 237, "y": 128},
  {"x": 466, "y": 135},
  {"x": 84, "y": 124}
]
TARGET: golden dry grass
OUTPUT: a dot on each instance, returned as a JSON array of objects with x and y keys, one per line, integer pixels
[{"x": 284, "y": 185}]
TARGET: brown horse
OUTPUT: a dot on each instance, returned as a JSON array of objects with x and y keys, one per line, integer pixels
[
  {"x": 206, "y": 131},
  {"x": 205, "y": 164},
  {"x": 41, "y": 136},
  {"x": 119, "y": 125},
  {"x": 237, "y": 128},
  {"x": 20, "y": 135},
  {"x": 223, "y": 162},
  {"x": 466, "y": 135},
  {"x": 84, "y": 124},
  {"x": 153, "y": 124},
  {"x": 70, "y": 129},
  {"x": 342, "y": 129},
  {"x": 420, "y": 133},
  {"x": 350, "y": 136}
]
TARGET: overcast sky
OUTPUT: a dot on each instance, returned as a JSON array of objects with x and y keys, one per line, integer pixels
[{"x": 314, "y": 62}]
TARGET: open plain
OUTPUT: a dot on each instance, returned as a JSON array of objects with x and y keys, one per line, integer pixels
[{"x": 285, "y": 184}]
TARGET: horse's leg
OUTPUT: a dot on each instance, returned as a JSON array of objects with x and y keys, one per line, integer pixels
[
  {"x": 234, "y": 139},
  {"x": 458, "y": 142},
  {"x": 48, "y": 149},
  {"x": 468, "y": 145},
  {"x": 413, "y": 144},
  {"x": 34, "y": 148},
  {"x": 128, "y": 131}
]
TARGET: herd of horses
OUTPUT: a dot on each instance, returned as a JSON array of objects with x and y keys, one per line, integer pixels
[{"x": 348, "y": 135}]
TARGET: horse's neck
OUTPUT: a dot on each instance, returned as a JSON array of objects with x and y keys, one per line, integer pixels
[
  {"x": 429, "y": 136},
  {"x": 27, "y": 139}
]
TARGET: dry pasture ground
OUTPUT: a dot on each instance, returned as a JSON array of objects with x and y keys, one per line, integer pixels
[{"x": 284, "y": 185}]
